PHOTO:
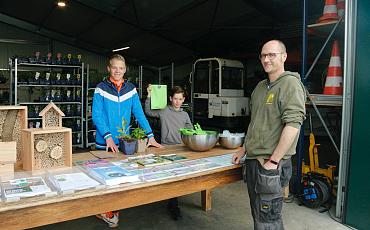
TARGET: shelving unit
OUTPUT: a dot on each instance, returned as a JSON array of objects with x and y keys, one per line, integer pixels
[
  {"x": 35, "y": 85},
  {"x": 90, "y": 128},
  {"x": 326, "y": 30},
  {"x": 323, "y": 32},
  {"x": 4, "y": 87}
]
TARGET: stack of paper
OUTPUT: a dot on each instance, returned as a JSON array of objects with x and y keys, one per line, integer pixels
[
  {"x": 108, "y": 173},
  {"x": 24, "y": 187},
  {"x": 73, "y": 181}
]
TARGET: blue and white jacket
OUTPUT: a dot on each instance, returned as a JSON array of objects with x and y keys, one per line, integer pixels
[{"x": 110, "y": 106}]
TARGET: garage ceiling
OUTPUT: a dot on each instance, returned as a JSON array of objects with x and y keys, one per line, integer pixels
[{"x": 160, "y": 31}]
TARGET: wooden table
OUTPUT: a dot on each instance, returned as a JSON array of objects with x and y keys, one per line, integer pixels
[{"x": 38, "y": 211}]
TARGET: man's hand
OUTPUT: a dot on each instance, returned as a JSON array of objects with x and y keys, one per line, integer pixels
[
  {"x": 149, "y": 90},
  {"x": 269, "y": 166},
  {"x": 153, "y": 142},
  {"x": 238, "y": 156},
  {"x": 111, "y": 145}
]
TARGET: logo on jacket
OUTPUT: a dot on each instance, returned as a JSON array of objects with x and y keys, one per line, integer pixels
[{"x": 270, "y": 99}]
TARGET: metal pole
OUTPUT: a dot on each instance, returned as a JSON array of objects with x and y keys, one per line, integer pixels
[
  {"x": 348, "y": 91},
  {"x": 303, "y": 72},
  {"x": 172, "y": 74},
  {"x": 141, "y": 81},
  {"x": 16, "y": 81},
  {"x": 322, "y": 48}
]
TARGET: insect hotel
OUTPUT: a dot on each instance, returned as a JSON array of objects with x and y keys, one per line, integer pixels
[
  {"x": 12, "y": 120},
  {"x": 49, "y": 146}
]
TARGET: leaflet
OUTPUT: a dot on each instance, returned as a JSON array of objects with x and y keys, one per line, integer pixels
[
  {"x": 73, "y": 181},
  {"x": 113, "y": 175},
  {"x": 25, "y": 187}
]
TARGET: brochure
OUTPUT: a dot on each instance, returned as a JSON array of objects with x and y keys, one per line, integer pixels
[
  {"x": 224, "y": 160},
  {"x": 199, "y": 161},
  {"x": 126, "y": 164},
  {"x": 166, "y": 167},
  {"x": 113, "y": 175},
  {"x": 153, "y": 161},
  {"x": 93, "y": 163},
  {"x": 160, "y": 175},
  {"x": 135, "y": 158},
  {"x": 182, "y": 171},
  {"x": 25, "y": 187},
  {"x": 73, "y": 181},
  {"x": 173, "y": 157},
  {"x": 205, "y": 167}
]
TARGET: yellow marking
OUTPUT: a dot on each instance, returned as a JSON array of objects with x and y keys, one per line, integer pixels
[{"x": 270, "y": 99}]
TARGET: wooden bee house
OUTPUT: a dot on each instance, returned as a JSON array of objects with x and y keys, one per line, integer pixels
[
  {"x": 12, "y": 120},
  {"x": 51, "y": 116},
  {"x": 49, "y": 146}
]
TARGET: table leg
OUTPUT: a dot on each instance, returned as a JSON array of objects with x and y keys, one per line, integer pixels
[{"x": 206, "y": 199}]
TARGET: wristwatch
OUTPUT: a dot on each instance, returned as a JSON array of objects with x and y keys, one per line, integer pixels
[{"x": 274, "y": 162}]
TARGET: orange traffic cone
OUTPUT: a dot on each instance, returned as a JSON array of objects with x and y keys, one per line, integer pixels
[
  {"x": 334, "y": 79},
  {"x": 340, "y": 7},
  {"x": 330, "y": 12}
]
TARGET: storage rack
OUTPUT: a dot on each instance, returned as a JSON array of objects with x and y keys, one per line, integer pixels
[
  {"x": 90, "y": 128},
  {"x": 326, "y": 30},
  {"x": 73, "y": 108}
]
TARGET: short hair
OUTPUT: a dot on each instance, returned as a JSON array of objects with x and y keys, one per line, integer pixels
[
  {"x": 280, "y": 43},
  {"x": 118, "y": 57},
  {"x": 176, "y": 90},
  {"x": 282, "y": 46}
]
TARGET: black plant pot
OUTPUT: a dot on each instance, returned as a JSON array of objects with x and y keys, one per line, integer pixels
[{"x": 128, "y": 148}]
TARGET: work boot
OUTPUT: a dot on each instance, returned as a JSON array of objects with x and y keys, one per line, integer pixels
[
  {"x": 111, "y": 218},
  {"x": 173, "y": 209}
]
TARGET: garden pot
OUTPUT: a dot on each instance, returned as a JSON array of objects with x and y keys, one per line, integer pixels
[
  {"x": 128, "y": 148},
  {"x": 141, "y": 145}
]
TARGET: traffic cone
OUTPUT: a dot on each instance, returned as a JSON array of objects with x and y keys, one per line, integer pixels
[
  {"x": 330, "y": 12},
  {"x": 334, "y": 79},
  {"x": 340, "y": 7}
]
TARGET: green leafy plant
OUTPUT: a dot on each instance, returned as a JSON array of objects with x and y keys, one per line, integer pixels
[
  {"x": 124, "y": 132},
  {"x": 138, "y": 133}
]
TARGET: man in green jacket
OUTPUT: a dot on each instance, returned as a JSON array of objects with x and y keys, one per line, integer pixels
[{"x": 277, "y": 113}]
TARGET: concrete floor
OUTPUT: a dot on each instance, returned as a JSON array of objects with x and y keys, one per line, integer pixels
[{"x": 230, "y": 210}]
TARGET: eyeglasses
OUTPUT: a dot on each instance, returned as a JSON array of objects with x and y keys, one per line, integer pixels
[{"x": 270, "y": 56}]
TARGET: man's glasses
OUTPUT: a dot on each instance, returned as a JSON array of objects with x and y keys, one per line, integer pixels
[{"x": 270, "y": 56}]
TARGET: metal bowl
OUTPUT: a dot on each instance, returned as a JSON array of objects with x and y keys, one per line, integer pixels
[
  {"x": 201, "y": 142},
  {"x": 231, "y": 142}
]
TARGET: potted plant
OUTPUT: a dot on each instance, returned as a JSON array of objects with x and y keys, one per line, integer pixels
[
  {"x": 139, "y": 134},
  {"x": 127, "y": 144}
]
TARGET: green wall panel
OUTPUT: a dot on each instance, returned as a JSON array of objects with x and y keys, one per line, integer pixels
[{"x": 357, "y": 211}]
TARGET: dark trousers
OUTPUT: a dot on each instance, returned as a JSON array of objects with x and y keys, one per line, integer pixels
[
  {"x": 173, "y": 202},
  {"x": 265, "y": 189}
]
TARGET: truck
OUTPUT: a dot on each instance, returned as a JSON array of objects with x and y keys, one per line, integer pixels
[{"x": 218, "y": 99}]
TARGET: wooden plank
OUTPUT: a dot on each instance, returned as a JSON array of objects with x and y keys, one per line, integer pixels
[
  {"x": 82, "y": 207},
  {"x": 6, "y": 169},
  {"x": 9, "y": 107},
  {"x": 26, "y": 150},
  {"x": 206, "y": 197},
  {"x": 8, "y": 152}
]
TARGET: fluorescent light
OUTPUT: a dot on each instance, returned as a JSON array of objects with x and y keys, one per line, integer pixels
[
  {"x": 123, "y": 48},
  {"x": 61, "y": 4}
]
